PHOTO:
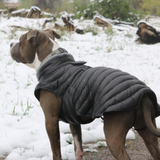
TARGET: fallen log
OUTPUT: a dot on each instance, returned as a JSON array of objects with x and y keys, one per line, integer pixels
[
  {"x": 116, "y": 22},
  {"x": 34, "y": 12},
  {"x": 20, "y": 27},
  {"x": 47, "y": 21},
  {"x": 20, "y": 13},
  {"x": 100, "y": 20},
  {"x": 147, "y": 33},
  {"x": 79, "y": 30},
  {"x": 106, "y": 22},
  {"x": 68, "y": 22},
  {"x": 3, "y": 11}
]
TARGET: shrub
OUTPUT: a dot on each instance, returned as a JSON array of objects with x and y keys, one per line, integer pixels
[{"x": 117, "y": 9}]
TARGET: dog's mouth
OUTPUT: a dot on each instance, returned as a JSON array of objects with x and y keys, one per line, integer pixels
[{"x": 12, "y": 44}]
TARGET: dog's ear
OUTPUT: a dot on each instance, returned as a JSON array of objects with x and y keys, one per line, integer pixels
[
  {"x": 32, "y": 34},
  {"x": 55, "y": 34}
]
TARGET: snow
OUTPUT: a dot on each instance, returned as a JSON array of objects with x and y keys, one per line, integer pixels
[
  {"x": 35, "y": 8},
  {"x": 22, "y": 133},
  {"x": 10, "y": 1}
]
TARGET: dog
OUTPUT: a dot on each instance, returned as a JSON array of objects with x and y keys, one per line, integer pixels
[{"x": 95, "y": 92}]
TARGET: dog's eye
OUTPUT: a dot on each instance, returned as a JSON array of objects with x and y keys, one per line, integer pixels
[{"x": 31, "y": 39}]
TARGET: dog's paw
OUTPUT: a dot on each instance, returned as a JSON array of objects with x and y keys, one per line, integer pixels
[{"x": 79, "y": 156}]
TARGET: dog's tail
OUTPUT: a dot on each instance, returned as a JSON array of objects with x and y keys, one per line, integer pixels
[{"x": 149, "y": 116}]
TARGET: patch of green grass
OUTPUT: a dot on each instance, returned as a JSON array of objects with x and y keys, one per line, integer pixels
[
  {"x": 93, "y": 29},
  {"x": 121, "y": 47},
  {"x": 129, "y": 35},
  {"x": 109, "y": 31},
  {"x": 101, "y": 144},
  {"x": 14, "y": 111},
  {"x": 29, "y": 81},
  {"x": 12, "y": 34},
  {"x": 26, "y": 111},
  {"x": 20, "y": 151}
]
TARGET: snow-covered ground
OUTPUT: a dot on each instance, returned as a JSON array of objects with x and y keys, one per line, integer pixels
[{"x": 22, "y": 129}]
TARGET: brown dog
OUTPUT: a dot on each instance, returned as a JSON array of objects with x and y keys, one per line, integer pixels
[{"x": 39, "y": 50}]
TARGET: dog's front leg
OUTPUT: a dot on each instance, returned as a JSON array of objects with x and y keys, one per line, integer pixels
[
  {"x": 77, "y": 137},
  {"x": 51, "y": 108}
]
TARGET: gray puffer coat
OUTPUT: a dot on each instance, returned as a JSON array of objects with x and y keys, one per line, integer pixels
[{"x": 87, "y": 91}]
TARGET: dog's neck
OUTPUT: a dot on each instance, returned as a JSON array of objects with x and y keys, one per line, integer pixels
[
  {"x": 58, "y": 51},
  {"x": 36, "y": 63}
]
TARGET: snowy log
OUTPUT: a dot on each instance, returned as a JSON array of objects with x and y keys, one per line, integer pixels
[
  {"x": 100, "y": 20},
  {"x": 22, "y": 28},
  {"x": 68, "y": 22},
  {"x": 115, "y": 22},
  {"x": 34, "y": 12},
  {"x": 47, "y": 21},
  {"x": 20, "y": 13},
  {"x": 147, "y": 33},
  {"x": 3, "y": 11},
  {"x": 79, "y": 30}
]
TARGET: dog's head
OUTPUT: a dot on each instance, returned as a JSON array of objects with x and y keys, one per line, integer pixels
[{"x": 34, "y": 44}]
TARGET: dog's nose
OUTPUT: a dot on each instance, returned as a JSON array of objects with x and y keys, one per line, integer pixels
[{"x": 11, "y": 44}]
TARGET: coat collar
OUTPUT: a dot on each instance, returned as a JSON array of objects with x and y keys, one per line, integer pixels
[{"x": 56, "y": 61}]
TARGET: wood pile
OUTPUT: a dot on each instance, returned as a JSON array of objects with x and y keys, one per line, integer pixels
[
  {"x": 33, "y": 12},
  {"x": 147, "y": 34},
  {"x": 66, "y": 22}
]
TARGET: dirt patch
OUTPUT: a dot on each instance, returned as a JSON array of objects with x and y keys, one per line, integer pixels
[
  {"x": 135, "y": 148},
  {"x": 2, "y": 158}
]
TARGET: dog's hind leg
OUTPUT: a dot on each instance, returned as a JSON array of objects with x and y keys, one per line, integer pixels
[
  {"x": 116, "y": 126},
  {"x": 77, "y": 137},
  {"x": 151, "y": 143}
]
